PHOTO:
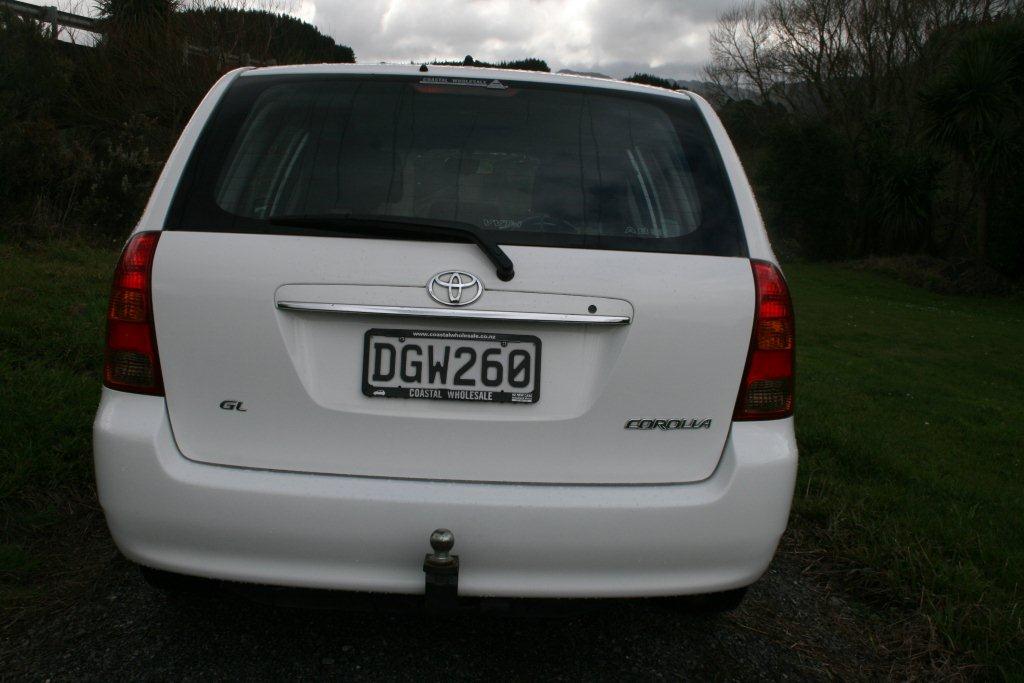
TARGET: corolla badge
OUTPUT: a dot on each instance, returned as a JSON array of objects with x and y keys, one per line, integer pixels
[
  {"x": 455, "y": 288},
  {"x": 668, "y": 424}
]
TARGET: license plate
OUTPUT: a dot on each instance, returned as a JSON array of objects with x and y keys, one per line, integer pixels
[{"x": 451, "y": 366}]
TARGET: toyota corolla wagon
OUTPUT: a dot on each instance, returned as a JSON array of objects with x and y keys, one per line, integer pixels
[{"x": 527, "y": 325}]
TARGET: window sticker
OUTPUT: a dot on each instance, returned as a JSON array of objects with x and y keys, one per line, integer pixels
[
  {"x": 469, "y": 82},
  {"x": 502, "y": 223}
]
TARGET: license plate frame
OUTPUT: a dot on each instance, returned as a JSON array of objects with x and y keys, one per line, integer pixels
[{"x": 466, "y": 395}]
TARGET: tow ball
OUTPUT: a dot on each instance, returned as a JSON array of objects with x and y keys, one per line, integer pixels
[{"x": 441, "y": 588}]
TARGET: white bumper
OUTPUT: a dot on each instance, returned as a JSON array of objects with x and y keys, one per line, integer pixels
[{"x": 360, "y": 533}]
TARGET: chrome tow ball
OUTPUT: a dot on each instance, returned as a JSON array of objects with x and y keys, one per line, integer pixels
[{"x": 441, "y": 590}]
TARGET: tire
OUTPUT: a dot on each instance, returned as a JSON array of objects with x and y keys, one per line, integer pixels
[{"x": 709, "y": 604}]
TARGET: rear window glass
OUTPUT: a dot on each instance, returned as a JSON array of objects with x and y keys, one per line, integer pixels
[{"x": 532, "y": 164}]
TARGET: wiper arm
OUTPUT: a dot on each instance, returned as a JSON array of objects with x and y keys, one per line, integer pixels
[{"x": 371, "y": 224}]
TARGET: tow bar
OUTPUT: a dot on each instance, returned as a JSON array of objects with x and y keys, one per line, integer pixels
[{"x": 441, "y": 588}]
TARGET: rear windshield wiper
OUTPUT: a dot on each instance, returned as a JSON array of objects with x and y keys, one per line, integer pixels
[{"x": 383, "y": 225}]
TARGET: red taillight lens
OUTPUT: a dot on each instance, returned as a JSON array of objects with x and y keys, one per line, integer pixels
[
  {"x": 767, "y": 389},
  {"x": 132, "y": 363}
]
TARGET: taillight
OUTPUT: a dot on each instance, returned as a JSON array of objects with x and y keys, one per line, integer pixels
[
  {"x": 132, "y": 363},
  {"x": 767, "y": 389}
]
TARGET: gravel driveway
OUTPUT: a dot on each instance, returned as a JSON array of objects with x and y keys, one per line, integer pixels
[{"x": 791, "y": 626}]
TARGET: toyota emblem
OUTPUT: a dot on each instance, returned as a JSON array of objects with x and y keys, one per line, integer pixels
[{"x": 455, "y": 288}]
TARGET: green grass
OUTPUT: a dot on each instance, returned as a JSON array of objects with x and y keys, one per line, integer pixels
[
  {"x": 910, "y": 420},
  {"x": 52, "y": 303},
  {"x": 911, "y": 426}
]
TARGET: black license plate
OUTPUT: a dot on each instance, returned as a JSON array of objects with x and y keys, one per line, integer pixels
[{"x": 451, "y": 366}]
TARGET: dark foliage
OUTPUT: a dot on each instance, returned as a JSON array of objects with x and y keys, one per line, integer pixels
[
  {"x": 805, "y": 172},
  {"x": 901, "y": 134},
  {"x": 528, "y": 64},
  {"x": 84, "y": 131},
  {"x": 651, "y": 79},
  {"x": 974, "y": 109},
  {"x": 289, "y": 40},
  {"x": 34, "y": 153}
]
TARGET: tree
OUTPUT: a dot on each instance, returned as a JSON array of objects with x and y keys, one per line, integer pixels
[
  {"x": 527, "y": 64},
  {"x": 975, "y": 107},
  {"x": 853, "y": 71},
  {"x": 137, "y": 20},
  {"x": 651, "y": 79}
]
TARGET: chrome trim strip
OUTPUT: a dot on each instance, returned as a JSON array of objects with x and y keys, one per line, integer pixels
[{"x": 456, "y": 313}]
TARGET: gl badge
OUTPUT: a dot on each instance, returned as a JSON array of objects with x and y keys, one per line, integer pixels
[{"x": 455, "y": 288}]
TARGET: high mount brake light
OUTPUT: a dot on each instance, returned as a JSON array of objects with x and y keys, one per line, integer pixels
[
  {"x": 132, "y": 363},
  {"x": 767, "y": 389}
]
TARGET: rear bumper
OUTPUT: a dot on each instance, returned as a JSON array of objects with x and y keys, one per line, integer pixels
[{"x": 370, "y": 534}]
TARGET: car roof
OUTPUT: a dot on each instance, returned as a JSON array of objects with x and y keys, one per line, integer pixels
[{"x": 476, "y": 72}]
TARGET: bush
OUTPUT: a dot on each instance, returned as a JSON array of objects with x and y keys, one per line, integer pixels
[
  {"x": 974, "y": 111},
  {"x": 84, "y": 131},
  {"x": 803, "y": 176},
  {"x": 33, "y": 157},
  {"x": 898, "y": 186},
  {"x": 962, "y": 276}
]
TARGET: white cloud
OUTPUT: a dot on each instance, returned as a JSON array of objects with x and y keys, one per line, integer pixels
[
  {"x": 306, "y": 10},
  {"x": 665, "y": 36}
]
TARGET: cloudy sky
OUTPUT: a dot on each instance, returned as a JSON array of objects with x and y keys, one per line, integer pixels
[{"x": 616, "y": 37}]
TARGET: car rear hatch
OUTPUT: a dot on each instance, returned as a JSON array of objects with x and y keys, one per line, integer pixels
[{"x": 613, "y": 356}]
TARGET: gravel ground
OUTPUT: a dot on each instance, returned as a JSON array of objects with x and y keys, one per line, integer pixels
[{"x": 790, "y": 626}]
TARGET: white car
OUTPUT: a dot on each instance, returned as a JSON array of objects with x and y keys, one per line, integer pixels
[{"x": 365, "y": 303}]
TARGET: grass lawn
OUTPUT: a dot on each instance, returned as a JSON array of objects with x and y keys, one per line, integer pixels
[
  {"x": 911, "y": 426},
  {"x": 52, "y": 307},
  {"x": 910, "y": 419}
]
